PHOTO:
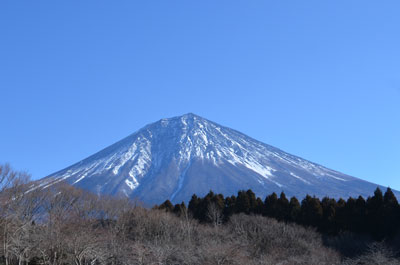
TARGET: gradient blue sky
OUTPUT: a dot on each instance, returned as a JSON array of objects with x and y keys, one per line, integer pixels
[{"x": 318, "y": 79}]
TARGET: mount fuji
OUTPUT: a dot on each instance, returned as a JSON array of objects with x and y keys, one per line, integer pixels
[{"x": 181, "y": 156}]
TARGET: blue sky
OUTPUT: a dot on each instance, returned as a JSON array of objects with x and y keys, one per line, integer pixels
[{"x": 318, "y": 79}]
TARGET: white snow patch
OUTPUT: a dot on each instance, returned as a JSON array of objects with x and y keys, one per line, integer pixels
[
  {"x": 251, "y": 163},
  {"x": 125, "y": 158},
  {"x": 299, "y": 178},
  {"x": 276, "y": 183},
  {"x": 83, "y": 176},
  {"x": 264, "y": 171},
  {"x": 183, "y": 119},
  {"x": 336, "y": 177},
  {"x": 132, "y": 184}
]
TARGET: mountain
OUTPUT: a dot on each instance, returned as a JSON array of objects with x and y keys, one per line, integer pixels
[{"x": 177, "y": 157}]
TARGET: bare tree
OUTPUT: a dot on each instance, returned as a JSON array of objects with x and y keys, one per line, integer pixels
[
  {"x": 58, "y": 213},
  {"x": 114, "y": 219},
  {"x": 7, "y": 176},
  {"x": 187, "y": 224},
  {"x": 26, "y": 209},
  {"x": 214, "y": 214},
  {"x": 17, "y": 211}
]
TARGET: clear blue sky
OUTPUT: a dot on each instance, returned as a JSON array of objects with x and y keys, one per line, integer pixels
[{"x": 318, "y": 79}]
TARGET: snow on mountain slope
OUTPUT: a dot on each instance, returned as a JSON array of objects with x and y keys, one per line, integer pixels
[{"x": 177, "y": 157}]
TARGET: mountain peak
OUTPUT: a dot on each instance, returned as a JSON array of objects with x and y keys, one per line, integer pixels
[
  {"x": 177, "y": 157},
  {"x": 185, "y": 125},
  {"x": 185, "y": 118},
  {"x": 191, "y": 115}
]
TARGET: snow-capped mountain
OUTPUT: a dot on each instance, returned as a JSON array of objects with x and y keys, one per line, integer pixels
[{"x": 177, "y": 157}]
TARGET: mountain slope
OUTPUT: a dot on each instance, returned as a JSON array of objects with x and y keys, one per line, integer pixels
[{"x": 177, "y": 157}]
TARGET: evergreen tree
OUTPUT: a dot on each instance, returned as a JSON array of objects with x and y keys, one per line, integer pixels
[
  {"x": 200, "y": 207},
  {"x": 294, "y": 210},
  {"x": 252, "y": 200},
  {"x": 259, "y": 206},
  {"x": 204, "y": 206},
  {"x": 329, "y": 215},
  {"x": 270, "y": 205},
  {"x": 243, "y": 204},
  {"x": 193, "y": 203},
  {"x": 193, "y": 206},
  {"x": 359, "y": 218},
  {"x": 375, "y": 214},
  {"x": 229, "y": 208},
  {"x": 179, "y": 208},
  {"x": 311, "y": 211},
  {"x": 341, "y": 218},
  {"x": 391, "y": 218},
  {"x": 350, "y": 210},
  {"x": 282, "y": 211},
  {"x": 167, "y": 206}
]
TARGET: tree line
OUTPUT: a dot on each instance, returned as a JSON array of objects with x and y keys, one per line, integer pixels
[{"x": 377, "y": 216}]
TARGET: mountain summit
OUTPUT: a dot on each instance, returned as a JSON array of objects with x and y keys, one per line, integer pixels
[{"x": 177, "y": 157}]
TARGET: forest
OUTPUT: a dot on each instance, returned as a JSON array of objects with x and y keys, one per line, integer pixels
[
  {"x": 377, "y": 216},
  {"x": 64, "y": 225}
]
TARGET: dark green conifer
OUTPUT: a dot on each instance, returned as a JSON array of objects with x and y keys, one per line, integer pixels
[
  {"x": 311, "y": 211},
  {"x": 329, "y": 215},
  {"x": 282, "y": 213},
  {"x": 179, "y": 209},
  {"x": 350, "y": 212},
  {"x": 243, "y": 204},
  {"x": 252, "y": 200},
  {"x": 341, "y": 218},
  {"x": 359, "y": 221},
  {"x": 229, "y": 208},
  {"x": 167, "y": 206},
  {"x": 270, "y": 205},
  {"x": 259, "y": 206},
  {"x": 375, "y": 214},
  {"x": 294, "y": 210},
  {"x": 391, "y": 218}
]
